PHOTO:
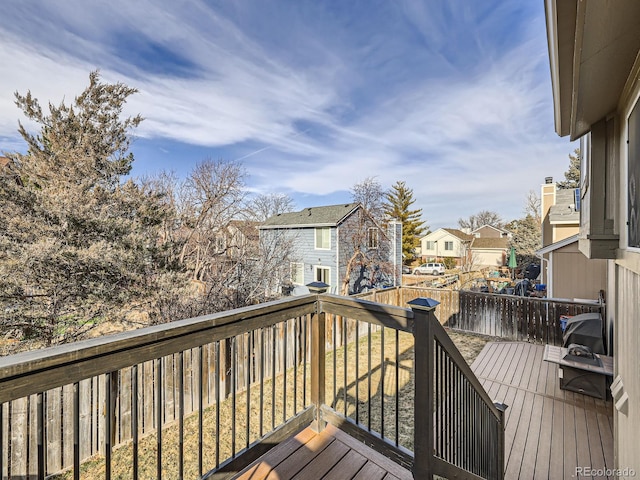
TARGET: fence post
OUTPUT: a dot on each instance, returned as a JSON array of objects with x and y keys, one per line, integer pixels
[
  {"x": 423, "y": 440},
  {"x": 318, "y": 327}
]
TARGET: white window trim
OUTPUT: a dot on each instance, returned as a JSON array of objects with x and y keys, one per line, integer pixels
[
  {"x": 624, "y": 192},
  {"x": 452, "y": 246},
  {"x": 315, "y": 238},
  {"x": 324, "y": 267},
  {"x": 370, "y": 230},
  {"x": 300, "y": 267}
]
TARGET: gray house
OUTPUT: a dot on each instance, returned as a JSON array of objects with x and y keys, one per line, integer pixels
[{"x": 340, "y": 245}]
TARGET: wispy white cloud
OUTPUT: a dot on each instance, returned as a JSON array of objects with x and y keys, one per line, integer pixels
[{"x": 454, "y": 98}]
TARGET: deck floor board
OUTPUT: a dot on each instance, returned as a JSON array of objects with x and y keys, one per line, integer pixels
[{"x": 548, "y": 431}]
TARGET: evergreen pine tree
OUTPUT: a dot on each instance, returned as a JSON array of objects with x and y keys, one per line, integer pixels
[
  {"x": 397, "y": 207},
  {"x": 572, "y": 175}
]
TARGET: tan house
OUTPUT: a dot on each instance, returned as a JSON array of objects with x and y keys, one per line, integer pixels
[
  {"x": 560, "y": 212},
  {"x": 489, "y": 252},
  {"x": 569, "y": 274},
  {"x": 445, "y": 243},
  {"x": 594, "y": 50},
  {"x": 489, "y": 231}
]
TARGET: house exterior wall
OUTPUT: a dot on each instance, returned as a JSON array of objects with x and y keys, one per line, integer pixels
[
  {"x": 548, "y": 198},
  {"x": 575, "y": 276},
  {"x": 439, "y": 252},
  {"x": 626, "y": 291},
  {"x": 487, "y": 257},
  {"x": 487, "y": 232},
  {"x": 560, "y": 232},
  {"x": 304, "y": 251}
]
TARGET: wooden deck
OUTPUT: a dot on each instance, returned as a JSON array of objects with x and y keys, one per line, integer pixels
[
  {"x": 549, "y": 432},
  {"x": 328, "y": 455}
]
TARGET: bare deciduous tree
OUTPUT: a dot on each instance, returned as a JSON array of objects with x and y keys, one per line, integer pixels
[
  {"x": 262, "y": 207},
  {"x": 370, "y": 194},
  {"x": 484, "y": 217}
]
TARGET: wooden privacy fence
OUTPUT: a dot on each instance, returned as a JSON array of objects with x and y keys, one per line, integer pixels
[{"x": 529, "y": 319}]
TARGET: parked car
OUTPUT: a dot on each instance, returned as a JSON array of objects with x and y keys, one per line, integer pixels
[
  {"x": 429, "y": 269},
  {"x": 406, "y": 269}
]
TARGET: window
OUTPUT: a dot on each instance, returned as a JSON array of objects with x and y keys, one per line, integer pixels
[
  {"x": 448, "y": 245},
  {"x": 372, "y": 237},
  {"x": 323, "y": 238},
  {"x": 297, "y": 273},
  {"x": 430, "y": 245},
  {"x": 322, "y": 274},
  {"x": 633, "y": 179}
]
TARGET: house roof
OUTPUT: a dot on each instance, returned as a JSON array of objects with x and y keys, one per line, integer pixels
[
  {"x": 500, "y": 243},
  {"x": 328, "y": 216},
  {"x": 247, "y": 227},
  {"x": 486, "y": 225},
  {"x": 564, "y": 210},
  {"x": 459, "y": 233},
  {"x": 557, "y": 245}
]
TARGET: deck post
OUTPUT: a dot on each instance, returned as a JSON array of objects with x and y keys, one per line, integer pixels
[
  {"x": 501, "y": 408},
  {"x": 318, "y": 327},
  {"x": 424, "y": 314}
]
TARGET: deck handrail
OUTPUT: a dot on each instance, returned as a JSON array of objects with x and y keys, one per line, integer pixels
[{"x": 33, "y": 373}]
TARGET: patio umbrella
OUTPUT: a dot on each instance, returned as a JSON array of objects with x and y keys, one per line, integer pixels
[{"x": 512, "y": 260}]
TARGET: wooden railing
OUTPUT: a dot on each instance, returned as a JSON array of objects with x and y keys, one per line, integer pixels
[
  {"x": 529, "y": 319},
  {"x": 240, "y": 382}
]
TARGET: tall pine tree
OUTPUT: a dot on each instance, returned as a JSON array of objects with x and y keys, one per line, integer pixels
[{"x": 398, "y": 207}]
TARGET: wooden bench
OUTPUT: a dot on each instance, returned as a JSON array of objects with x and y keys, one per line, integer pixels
[{"x": 581, "y": 377}]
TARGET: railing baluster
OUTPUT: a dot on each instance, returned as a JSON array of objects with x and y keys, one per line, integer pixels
[
  {"x": 180, "y": 415},
  {"x": 334, "y": 353},
  {"x": 305, "y": 359},
  {"x": 234, "y": 360},
  {"x": 42, "y": 456},
  {"x": 218, "y": 400},
  {"x": 284, "y": 372},
  {"x": 134, "y": 419},
  {"x": 248, "y": 376},
  {"x": 273, "y": 377},
  {"x": 397, "y": 396},
  {"x": 76, "y": 432},
  {"x": 383, "y": 366},
  {"x": 1, "y": 439},
  {"x": 159, "y": 386},
  {"x": 344, "y": 368},
  {"x": 262, "y": 356},
  {"x": 200, "y": 407},
  {"x": 357, "y": 394},
  {"x": 108, "y": 424},
  {"x": 295, "y": 364},
  {"x": 369, "y": 377}
]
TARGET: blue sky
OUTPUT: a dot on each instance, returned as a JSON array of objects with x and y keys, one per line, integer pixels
[{"x": 452, "y": 97}]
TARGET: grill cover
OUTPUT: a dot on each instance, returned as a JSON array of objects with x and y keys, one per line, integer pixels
[{"x": 584, "y": 329}]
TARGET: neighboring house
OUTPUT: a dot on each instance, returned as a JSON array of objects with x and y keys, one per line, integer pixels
[
  {"x": 560, "y": 212},
  {"x": 489, "y": 231},
  {"x": 445, "y": 243},
  {"x": 568, "y": 274},
  {"x": 489, "y": 251},
  {"x": 594, "y": 50},
  {"x": 340, "y": 245},
  {"x": 239, "y": 239}
]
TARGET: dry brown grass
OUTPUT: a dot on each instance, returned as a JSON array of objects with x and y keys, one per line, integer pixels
[{"x": 377, "y": 413}]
